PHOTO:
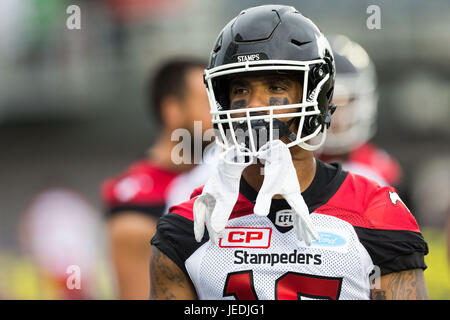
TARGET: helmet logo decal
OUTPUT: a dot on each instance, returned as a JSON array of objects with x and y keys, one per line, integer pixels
[{"x": 250, "y": 57}]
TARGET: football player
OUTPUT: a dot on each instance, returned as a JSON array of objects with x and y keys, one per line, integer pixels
[
  {"x": 354, "y": 121},
  {"x": 136, "y": 198},
  {"x": 59, "y": 233},
  {"x": 280, "y": 223}
]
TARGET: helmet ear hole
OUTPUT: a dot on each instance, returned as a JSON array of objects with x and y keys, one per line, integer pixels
[{"x": 311, "y": 124}]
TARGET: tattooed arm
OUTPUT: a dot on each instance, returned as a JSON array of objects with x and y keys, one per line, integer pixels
[
  {"x": 403, "y": 285},
  {"x": 167, "y": 280}
]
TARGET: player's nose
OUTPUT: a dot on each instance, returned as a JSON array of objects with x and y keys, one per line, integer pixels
[{"x": 258, "y": 99}]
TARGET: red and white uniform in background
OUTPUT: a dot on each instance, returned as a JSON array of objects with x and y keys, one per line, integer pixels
[
  {"x": 374, "y": 163},
  {"x": 354, "y": 122},
  {"x": 142, "y": 187},
  {"x": 181, "y": 187},
  {"x": 150, "y": 189},
  {"x": 61, "y": 232}
]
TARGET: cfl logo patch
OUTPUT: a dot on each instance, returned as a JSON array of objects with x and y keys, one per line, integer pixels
[{"x": 284, "y": 218}]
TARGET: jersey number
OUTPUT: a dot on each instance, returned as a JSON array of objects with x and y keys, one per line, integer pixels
[{"x": 290, "y": 286}]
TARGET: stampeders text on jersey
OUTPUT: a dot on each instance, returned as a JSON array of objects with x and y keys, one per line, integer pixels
[{"x": 243, "y": 257}]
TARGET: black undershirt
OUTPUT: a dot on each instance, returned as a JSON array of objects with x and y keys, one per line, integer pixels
[{"x": 327, "y": 180}]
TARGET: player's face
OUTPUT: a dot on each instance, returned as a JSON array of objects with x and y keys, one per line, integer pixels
[
  {"x": 196, "y": 101},
  {"x": 267, "y": 90}
]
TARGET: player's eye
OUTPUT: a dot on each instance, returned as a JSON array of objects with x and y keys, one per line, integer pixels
[
  {"x": 277, "y": 88},
  {"x": 237, "y": 91}
]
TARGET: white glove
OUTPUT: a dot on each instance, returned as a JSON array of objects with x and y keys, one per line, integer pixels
[
  {"x": 219, "y": 195},
  {"x": 280, "y": 178}
]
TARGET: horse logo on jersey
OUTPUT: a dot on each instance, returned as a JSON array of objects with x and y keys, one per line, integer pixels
[{"x": 394, "y": 197}]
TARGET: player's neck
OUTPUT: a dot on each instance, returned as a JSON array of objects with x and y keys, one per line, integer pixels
[
  {"x": 335, "y": 158},
  {"x": 304, "y": 163}
]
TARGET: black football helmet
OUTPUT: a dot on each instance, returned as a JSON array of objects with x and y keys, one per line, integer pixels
[{"x": 272, "y": 39}]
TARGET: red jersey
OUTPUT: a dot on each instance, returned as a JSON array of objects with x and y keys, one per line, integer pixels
[
  {"x": 142, "y": 187},
  {"x": 374, "y": 163}
]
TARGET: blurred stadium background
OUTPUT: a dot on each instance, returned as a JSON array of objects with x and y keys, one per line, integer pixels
[{"x": 72, "y": 112}]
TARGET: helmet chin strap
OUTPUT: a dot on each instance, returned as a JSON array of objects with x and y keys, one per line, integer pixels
[
  {"x": 311, "y": 147},
  {"x": 293, "y": 137}
]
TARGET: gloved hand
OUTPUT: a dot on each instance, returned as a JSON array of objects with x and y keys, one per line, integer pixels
[
  {"x": 220, "y": 194},
  {"x": 280, "y": 178}
]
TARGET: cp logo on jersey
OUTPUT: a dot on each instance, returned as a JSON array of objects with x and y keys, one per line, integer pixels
[{"x": 235, "y": 237}]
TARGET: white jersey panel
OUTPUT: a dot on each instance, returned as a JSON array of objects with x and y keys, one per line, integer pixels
[{"x": 255, "y": 258}]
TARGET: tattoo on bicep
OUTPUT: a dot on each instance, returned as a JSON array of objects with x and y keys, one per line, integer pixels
[
  {"x": 158, "y": 289},
  {"x": 379, "y": 295},
  {"x": 400, "y": 286},
  {"x": 421, "y": 291},
  {"x": 406, "y": 285},
  {"x": 165, "y": 278}
]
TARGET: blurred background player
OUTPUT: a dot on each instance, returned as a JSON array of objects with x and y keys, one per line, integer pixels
[
  {"x": 354, "y": 121},
  {"x": 136, "y": 198},
  {"x": 62, "y": 235}
]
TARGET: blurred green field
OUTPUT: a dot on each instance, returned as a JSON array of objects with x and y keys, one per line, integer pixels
[
  {"x": 437, "y": 275},
  {"x": 20, "y": 279}
]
